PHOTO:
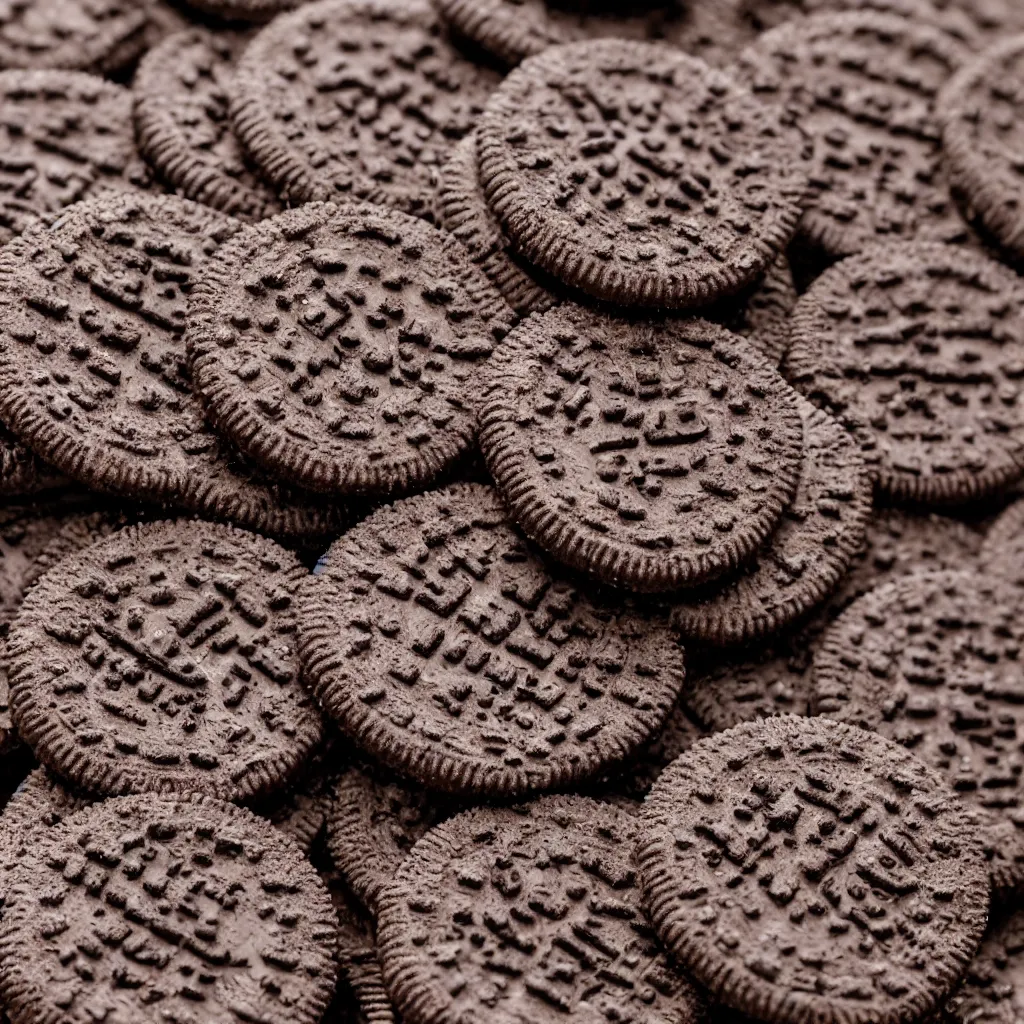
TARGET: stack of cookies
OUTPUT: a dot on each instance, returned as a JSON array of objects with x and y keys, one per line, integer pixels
[{"x": 510, "y": 510}]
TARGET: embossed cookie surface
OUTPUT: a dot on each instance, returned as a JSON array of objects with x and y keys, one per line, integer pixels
[
  {"x": 805, "y": 870},
  {"x": 341, "y": 346},
  {"x": 167, "y": 908},
  {"x": 916, "y": 349},
  {"x": 164, "y": 658},
  {"x": 865, "y": 85},
  {"x": 93, "y": 370},
  {"x": 930, "y": 661},
  {"x": 360, "y": 99},
  {"x": 447, "y": 646},
  {"x": 993, "y": 987},
  {"x": 652, "y": 454},
  {"x": 638, "y": 174},
  {"x": 519, "y": 912}
]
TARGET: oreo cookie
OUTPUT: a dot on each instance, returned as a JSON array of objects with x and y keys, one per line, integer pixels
[
  {"x": 338, "y": 346},
  {"x": 992, "y": 991},
  {"x": 640, "y": 212},
  {"x": 930, "y": 661},
  {"x": 93, "y": 369},
  {"x": 843, "y": 872},
  {"x": 360, "y": 99},
  {"x": 250, "y": 931},
  {"x": 549, "y": 892},
  {"x": 1002, "y": 553},
  {"x": 863, "y": 86},
  {"x": 163, "y": 658},
  {"x": 22, "y": 472},
  {"x": 450, "y": 649},
  {"x": 915, "y": 349},
  {"x": 181, "y": 116},
  {"x": 652, "y": 454}
]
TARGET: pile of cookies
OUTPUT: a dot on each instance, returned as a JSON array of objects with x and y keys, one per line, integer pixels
[{"x": 511, "y": 509}]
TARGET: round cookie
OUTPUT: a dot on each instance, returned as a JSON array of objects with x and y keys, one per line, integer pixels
[
  {"x": 546, "y": 894},
  {"x": 639, "y": 174},
  {"x": 103, "y": 36},
  {"x": 914, "y": 347},
  {"x": 652, "y": 454},
  {"x": 993, "y": 988},
  {"x": 181, "y": 117},
  {"x": 930, "y": 661},
  {"x": 93, "y": 370},
  {"x": 374, "y": 822},
  {"x": 340, "y": 346},
  {"x": 170, "y": 908},
  {"x": 1002, "y": 553},
  {"x": 465, "y": 214},
  {"x": 357, "y": 98},
  {"x": 447, "y": 647},
  {"x": 805, "y": 870},
  {"x": 22, "y": 472},
  {"x": 981, "y": 110},
  {"x": 66, "y": 136},
  {"x": 806, "y": 556},
  {"x": 163, "y": 658},
  {"x": 864, "y": 86}
]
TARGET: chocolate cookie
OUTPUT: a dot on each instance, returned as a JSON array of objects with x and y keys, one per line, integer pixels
[
  {"x": 339, "y": 347},
  {"x": 449, "y": 648},
  {"x": 93, "y": 371},
  {"x": 864, "y": 85},
  {"x": 930, "y": 661},
  {"x": 1002, "y": 553},
  {"x": 805, "y": 870},
  {"x": 163, "y": 658},
  {"x": 357, "y": 98},
  {"x": 670, "y": 184},
  {"x": 181, "y": 117},
  {"x": 914, "y": 347},
  {"x": 103, "y": 36},
  {"x": 993, "y": 988},
  {"x": 513, "y": 913},
  {"x": 653, "y": 454},
  {"x": 374, "y": 822},
  {"x": 66, "y": 136},
  {"x": 464, "y": 212},
  {"x": 982, "y": 110},
  {"x": 803, "y": 561},
  {"x": 22, "y": 472},
  {"x": 167, "y": 908}
]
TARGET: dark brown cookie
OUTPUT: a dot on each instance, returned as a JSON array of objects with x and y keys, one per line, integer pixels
[
  {"x": 93, "y": 370},
  {"x": 1002, "y": 553},
  {"x": 357, "y": 98},
  {"x": 931, "y": 661},
  {"x": 530, "y": 913},
  {"x": 449, "y": 648},
  {"x": 982, "y": 113},
  {"x": 374, "y": 822},
  {"x": 22, "y": 472},
  {"x": 803, "y": 561},
  {"x": 585, "y": 161},
  {"x": 66, "y": 136},
  {"x": 865, "y": 85},
  {"x": 181, "y": 118},
  {"x": 652, "y": 454},
  {"x": 185, "y": 908},
  {"x": 163, "y": 658},
  {"x": 916, "y": 348},
  {"x": 103, "y": 36},
  {"x": 993, "y": 988},
  {"x": 340, "y": 347},
  {"x": 805, "y": 870}
]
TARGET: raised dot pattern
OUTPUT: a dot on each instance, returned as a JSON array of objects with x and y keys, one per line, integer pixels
[
  {"x": 147, "y": 910},
  {"x": 916, "y": 349},
  {"x": 639, "y": 174},
  {"x": 519, "y": 913},
  {"x": 660, "y": 453},
  {"x": 170, "y": 662},
  {"x": 993, "y": 987},
  {"x": 803, "y": 869},
  {"x": 360, "y": 98},
  {"x": 444, "y": 643},
  {"x": 865, "y": 85},
  {"x": 343, "y": 345}
]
